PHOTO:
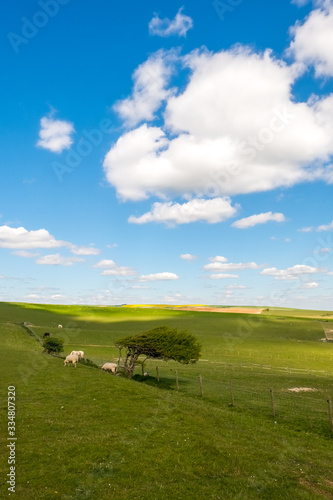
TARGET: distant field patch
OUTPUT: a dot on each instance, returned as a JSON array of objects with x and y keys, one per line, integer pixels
[{"x": 241, "y": 310}]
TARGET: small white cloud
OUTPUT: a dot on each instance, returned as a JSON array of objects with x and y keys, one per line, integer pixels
[
  {"x": 55, "y": 135},
  {"x": 189, "y": 257},
  {"x": 178, "y": 26},
  {"x": 218, "y": 258},
  {"x": 159, "y": 277},
  {"x": 287, "y": 240},
  {"x": 253, "y": 220},
  {"x": 84, "y": 250},
  {"x": 112, "y": 269},
  {"x": 198, "y": 210},
  {"x": 236, "y": 287},
  {"x": 105, "y": 264},
  {"x": 327, "y": 227},
  {"x": 306, "y": 229},
  {"x": 58, "y": 260},
  {"x": 292, "y": 273},
  {"x": 313, "y": 284},
  {"x": 222, "y": 276},
  {"x": 220, "y": 266},
  {"x": 324, "y": 250}
]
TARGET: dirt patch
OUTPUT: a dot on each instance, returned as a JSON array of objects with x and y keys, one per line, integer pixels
[
  {"x": 316, "y": 488},
  {"x": 302, "y": 389},
  {"x": 241, "y": 310}
]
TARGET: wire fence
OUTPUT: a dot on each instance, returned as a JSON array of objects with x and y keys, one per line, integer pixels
[{"x": 299, "y": 408}]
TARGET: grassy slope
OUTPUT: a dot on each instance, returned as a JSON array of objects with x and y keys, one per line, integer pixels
[{"x": 85, "y": 434}]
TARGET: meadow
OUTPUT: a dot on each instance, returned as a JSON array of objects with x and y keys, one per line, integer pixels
[{"x": 85, "y": 434}]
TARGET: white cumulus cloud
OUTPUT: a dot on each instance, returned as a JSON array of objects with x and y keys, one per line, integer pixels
[
  {"x": 55, "y": 135},
  {"x": 21, "y": 238},
  {"x": 235, "y": 128},
  {"x": 211, "y": 211},
  {"x": 178, "y": 26},
  {"x": 253, "y": 220},
  {"x": 189, "y": 257},
  {"x": 313, "y": 40}
]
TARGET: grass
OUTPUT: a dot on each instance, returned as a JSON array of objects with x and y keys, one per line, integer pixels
[{"x": 85, "y": 434}]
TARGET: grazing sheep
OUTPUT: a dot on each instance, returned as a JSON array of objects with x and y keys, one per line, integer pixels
[
  {"x": 79, "y": 354},
  {"x": 59, "y": 326},
  {"x": 46, "y": 334},
  {"x": 71, "y": 359},
  {"x": 146, "y": 374},
  {"x": 110, "y": 367}
]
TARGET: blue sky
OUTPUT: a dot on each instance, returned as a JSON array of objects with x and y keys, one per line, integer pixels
[{"x": 176, "y": 153}]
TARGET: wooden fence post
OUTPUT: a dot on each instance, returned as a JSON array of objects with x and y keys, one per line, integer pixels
[
  {"x": 177, "y": 383},
  {"x": 231, "y": 393},
  {"x": 200, "y": 384},
  {"x": 157, "y": 374},
  {"x": 329, "y": 401},
  {"x": 272, "y": 402}
]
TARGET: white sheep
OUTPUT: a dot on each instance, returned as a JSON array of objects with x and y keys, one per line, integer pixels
[
  {"x": 71, "y": 359},
  {"x": 59, "y": 326},
  {"x": 79, "y": 354},
  {"x": 110, "y": 367}
]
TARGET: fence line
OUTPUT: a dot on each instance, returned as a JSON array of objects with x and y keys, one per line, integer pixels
[{"x": 287, "y": 407}]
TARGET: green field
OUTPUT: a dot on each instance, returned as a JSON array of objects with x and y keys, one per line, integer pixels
[{"x": 85, "y": 434}]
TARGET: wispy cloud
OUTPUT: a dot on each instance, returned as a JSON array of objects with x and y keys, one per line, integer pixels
[
  {"x": 151, "y": 81},
  {"x": 159, "y": 277},
  {"x": 83, "y": 250},
  {"x": 325, "y": 227},
  {"x": 58, "y": 260},
  {"x": 292, "y": 273},
  {"x": 254, "y": 220},
  {"x": 178, "y": 26},
  {"x": 221, "y": 266},
  {"x": 55, "y": 135}
]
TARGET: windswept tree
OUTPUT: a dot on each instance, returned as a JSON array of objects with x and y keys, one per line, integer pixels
[{"x": 159, "y": 343}]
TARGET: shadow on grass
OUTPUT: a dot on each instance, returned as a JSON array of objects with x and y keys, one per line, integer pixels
[{"x": 163, "y": 383}]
